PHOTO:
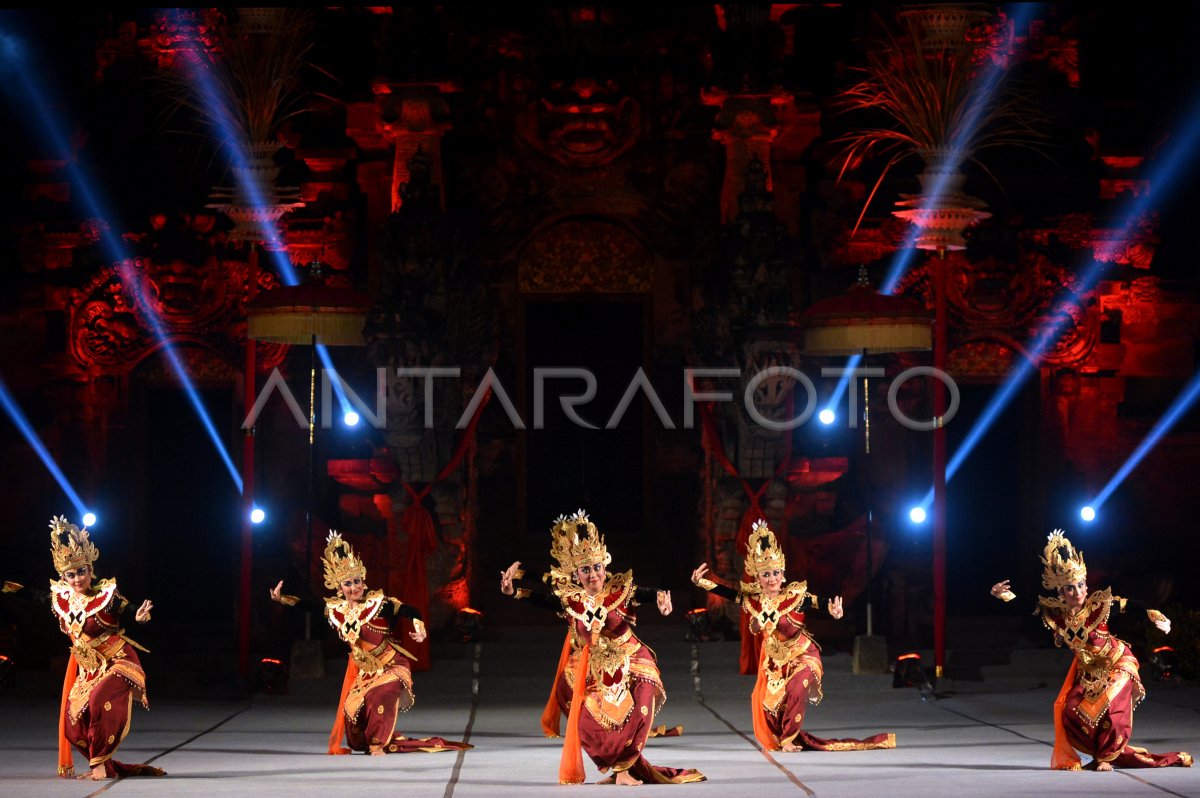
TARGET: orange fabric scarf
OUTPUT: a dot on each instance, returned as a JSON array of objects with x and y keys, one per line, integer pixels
[
  {"x": 551, "y": 714},
  {"x": 339, "y": 725},
  {"x": 65, "y": 763},
  {"x": 762, "y": 732},
  {"x": 570, "y": 767},
  {"x": 1064, "y": 756}
]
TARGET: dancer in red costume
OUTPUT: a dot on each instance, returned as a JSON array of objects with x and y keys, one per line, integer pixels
[
  {"x": 613, "y": 715},
  {"x": 790, "y": 670},
  {"x": 1094, "y": 710},
  {"x": 378, "y": 683},
  {"x": 104, "y": 675}
]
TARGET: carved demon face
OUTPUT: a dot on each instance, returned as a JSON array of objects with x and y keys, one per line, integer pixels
[
  {"x": 581, "y": 123},
  {"x": 772, "y": 395},
  {"x": 182, "y": 288},
  {"x": 993, "y": 287}
]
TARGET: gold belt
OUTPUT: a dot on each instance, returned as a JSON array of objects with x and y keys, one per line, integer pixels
[
  {"x": 784, "y": 651},
  {"x": 92, "y": 654},
  {"x": 372, "y": 660}
]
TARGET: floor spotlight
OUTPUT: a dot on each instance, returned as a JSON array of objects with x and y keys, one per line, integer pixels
[
  {"x": 827, "y": 416},
  {"x": 89, "y": 519},
  {"x": 351, "y": 418},
  {"x": 468, "y": 624},
  {"x": 272, "y": 676},
  {"x": 1088, "y": 513},
  {"x": 257, "y": 515},
  {"x": 1164, "y": 664},
  {"x": 917, "y": 515},
  {"x": 699, "y": 625},
  {"x": 907, "y": 671}
]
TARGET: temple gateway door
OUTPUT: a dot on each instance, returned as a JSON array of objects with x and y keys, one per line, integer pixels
[{"x": 568, "y": 466}]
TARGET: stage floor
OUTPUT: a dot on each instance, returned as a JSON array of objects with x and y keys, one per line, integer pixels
[{"x": 985, "y": 738}]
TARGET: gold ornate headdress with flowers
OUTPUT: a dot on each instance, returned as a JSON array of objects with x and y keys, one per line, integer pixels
[
  {"x": 340, "y": 562},
  {"x": 575, "y": 542},
  {"x": 70, "y": 546},
  {"x": 762, "y": 551},
  {"x": 1061, "y": 564}
]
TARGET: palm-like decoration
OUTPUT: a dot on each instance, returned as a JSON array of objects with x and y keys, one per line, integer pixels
[
  {"x": 943, "y": 103},
  {"x": 243, "y": 91},
  {"x": 248, "y": 85}
]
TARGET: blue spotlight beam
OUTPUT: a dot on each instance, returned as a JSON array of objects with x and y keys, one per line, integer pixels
[
  {"x": 35, "y": 442},
  {"x": 1178, "y": 408},
  {"x": 339, "y": 391},
  {"x": 1168, "y": 168},
  {"x": 133, "y": 282},
  {"x": 20, "y": 60},
  {"x": 835, "y": 400}
]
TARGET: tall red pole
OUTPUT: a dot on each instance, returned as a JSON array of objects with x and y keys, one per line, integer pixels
[
  {"x": 247, "y": 548},
  {"x": 939, "y": 467}
]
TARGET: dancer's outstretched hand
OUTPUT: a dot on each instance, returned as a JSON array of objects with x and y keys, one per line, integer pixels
[
  {"x": 835, "y": 607},
  {"x": 143, "y": 612},
  {"x": 277, "y": 592},
  {"x": 1160, "y": 621},
  {"x": 699, "y": 573},
  {"x": 506, "y": 578},
  {"x": 664, "y": 602}
]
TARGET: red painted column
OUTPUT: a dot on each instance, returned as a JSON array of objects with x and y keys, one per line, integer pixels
[
  {"x": 939, "y": 467},
  {"x": 247, "y": 542}
]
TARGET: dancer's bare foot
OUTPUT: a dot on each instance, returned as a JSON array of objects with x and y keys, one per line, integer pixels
[
  {"x": 791, "y": 747},
  {"x": 625, "y": 780},
  {"x": 98, "y": 773},
  {"x": 1103, "y": 767},
  {"x": 377, "y": 750},
  {"x": 609, "y": 779}
]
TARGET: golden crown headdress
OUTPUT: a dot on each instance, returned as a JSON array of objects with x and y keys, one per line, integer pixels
[
  {"x": 70, "y": 546},
  {"x": 762, "y": 552},
  {"x": 340, "y": 562},
  {"x": 575, "y": 542},
  {"x": 1061, "y": 564}
]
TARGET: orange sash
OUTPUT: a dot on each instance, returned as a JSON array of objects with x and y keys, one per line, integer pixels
[
  {"x": 570, "y": 767},
  {"x": 762, "y": 732},
  {"x": 750, "y": 654},
  {"x": 339, "y": 725},
  {"x": 65, "y": 763},
  {"x": 1064, "y": 756},
  {"x": 552, "y": 713}
]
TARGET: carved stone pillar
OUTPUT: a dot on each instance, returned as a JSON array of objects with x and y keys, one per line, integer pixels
[
  {"x": 748, "y": 125},
  {"x": 799, "y": 125},
  {"x": 415, "y": 116},
  {"x": 327, "y": 180},
  {"x": 397, "y": 542},
  {"x": 730, "y": 505},
  {"x": 449, "y": 499},
  {"x": 372, "y": 173},
  {"x": 47, "y": 181}
]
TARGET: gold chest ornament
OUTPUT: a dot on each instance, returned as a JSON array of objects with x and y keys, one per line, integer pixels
[
  {"x": 349, "y": 622},
  {"x": 78, "y": 607}
]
